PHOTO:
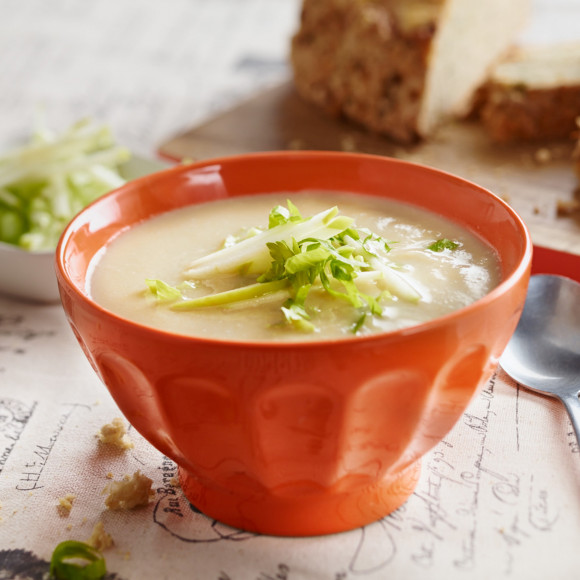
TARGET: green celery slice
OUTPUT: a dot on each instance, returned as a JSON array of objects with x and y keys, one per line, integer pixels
[
  {"x": 253, "y": 254},
  {"x": 238, "y": 294}
]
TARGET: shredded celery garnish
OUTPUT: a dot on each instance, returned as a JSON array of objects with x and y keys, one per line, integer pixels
[
  {"x": 294, "y": 256},
  {"x": 45, "y": 183},
  {"x": 251, "y": 255}
]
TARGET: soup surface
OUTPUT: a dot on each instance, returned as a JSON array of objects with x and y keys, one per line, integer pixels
[{"x": 437, "y": 266}]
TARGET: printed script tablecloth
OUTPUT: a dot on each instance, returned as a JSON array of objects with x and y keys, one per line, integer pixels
[{"x": 498, "y": 498}]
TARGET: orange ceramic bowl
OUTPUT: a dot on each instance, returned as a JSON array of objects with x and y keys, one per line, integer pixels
[{"x": 296, "y": 438}]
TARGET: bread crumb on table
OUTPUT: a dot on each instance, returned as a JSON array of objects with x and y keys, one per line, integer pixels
[
  {"x": 543, "y": 155},
  {"x": 99, "y": 538},
  {"x": 65, "y": 505},
  {"x": 348, "y": 143},
  {"x": 296, "y": 144},
  {"x": 129, "y": 493},
  {"x": 568, "y": 207},
  {"x": 115, "y": 433}
]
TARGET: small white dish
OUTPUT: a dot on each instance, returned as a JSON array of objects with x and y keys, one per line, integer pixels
[{"x": 30, "y": 275}]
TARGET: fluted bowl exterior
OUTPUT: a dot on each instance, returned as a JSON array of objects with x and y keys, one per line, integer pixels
[{"x": 297, "y": 438}]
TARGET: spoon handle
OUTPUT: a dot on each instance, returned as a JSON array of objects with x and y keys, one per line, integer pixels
[{"x": 572, "y": 403}]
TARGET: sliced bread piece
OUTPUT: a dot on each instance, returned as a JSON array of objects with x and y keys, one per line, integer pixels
[
  {"x": 533, "y": 95},
  {"x": 400, "y": 67}
]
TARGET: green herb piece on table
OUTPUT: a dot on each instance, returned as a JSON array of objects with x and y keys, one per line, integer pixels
[{"x": 72, "y": 560}]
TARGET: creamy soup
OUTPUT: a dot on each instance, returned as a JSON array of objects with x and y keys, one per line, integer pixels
[{"x": 406, "y": 266}]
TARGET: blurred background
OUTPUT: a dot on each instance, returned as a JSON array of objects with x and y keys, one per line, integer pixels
[
  {"x": 149, "y": 68},
  {"x": 152, "y": 69}
]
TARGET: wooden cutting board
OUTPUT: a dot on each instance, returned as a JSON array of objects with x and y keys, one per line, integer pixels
[{"x": 535, "y": 179}]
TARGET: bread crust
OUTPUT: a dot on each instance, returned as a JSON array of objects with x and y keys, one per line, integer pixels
[
  {"x": 534, "y": 95},
  {"x": 338, "y": 62},
  {"x": 399, "y": 67}
]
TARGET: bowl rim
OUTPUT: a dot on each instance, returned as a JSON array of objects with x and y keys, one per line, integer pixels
[{"x": 504, "y": 285}]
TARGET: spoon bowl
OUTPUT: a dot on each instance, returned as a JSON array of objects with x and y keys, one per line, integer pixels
[{"x": 544, "y": 351}]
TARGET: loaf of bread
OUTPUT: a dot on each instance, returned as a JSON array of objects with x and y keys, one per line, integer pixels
[
  {"x": 400, "y": 67},
  {"x": 533, "y": 95}
]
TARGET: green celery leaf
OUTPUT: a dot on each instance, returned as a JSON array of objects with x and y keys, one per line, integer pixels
[
  {"x": 313, "y": 257},
  {"x": 163, "y": 291},
  {"x": 279, "y": 252},
  {"x": 297, "y": 316},
  {"x": 359, "y": 323},
  {"x": 350, "y": 232},
  {"x": 443, "y": 244},
  {"x": 295, "y": 214},
  {"x": 278, "y": 216},
  {"x": 341, "y": 270},
  {"x": 353, "y": 294},
  {"x": 301, "y": 294},
  {"x": 373, "y": 304},
  {"x": 281, "y": 215}
]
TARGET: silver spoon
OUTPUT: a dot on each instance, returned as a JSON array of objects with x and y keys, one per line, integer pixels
[{"x": 544, "y": 352}]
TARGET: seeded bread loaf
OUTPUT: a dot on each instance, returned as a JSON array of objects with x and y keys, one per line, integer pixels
[
  {"x": 534, "y": 95},
  {"x": 400, "y": 67}
]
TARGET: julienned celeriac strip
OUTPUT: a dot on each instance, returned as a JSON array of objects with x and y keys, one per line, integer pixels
[
  {"x": 296, "y": 256},
  {"x": 46, "y": 182}
]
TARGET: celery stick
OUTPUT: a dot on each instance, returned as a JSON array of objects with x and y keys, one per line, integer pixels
[
  {"x": 253, "y": 252},
  {"x": 394, "y": 282},
  {"x": 390, "y": 280},
  {"x": 223, "y": 298}
]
